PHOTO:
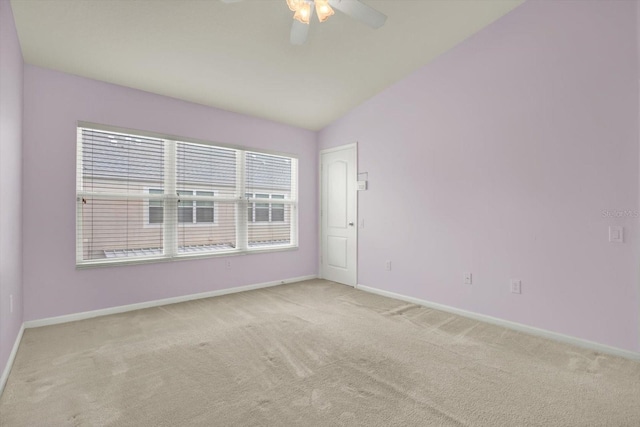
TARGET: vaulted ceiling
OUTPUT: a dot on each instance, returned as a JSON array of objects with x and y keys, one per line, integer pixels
[{"x": 238, "y": 57}]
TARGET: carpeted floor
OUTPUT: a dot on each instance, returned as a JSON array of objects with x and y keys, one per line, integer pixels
[{"x": 311, "y": 353}]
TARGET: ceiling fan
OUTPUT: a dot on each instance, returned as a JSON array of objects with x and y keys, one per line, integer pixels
[{"x": 304, "y": 9}]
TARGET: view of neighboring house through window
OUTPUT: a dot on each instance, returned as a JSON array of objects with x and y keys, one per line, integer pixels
[
  {"x": 156, "y": 208},
  {"x": 277, "y": 209},
  {"x": 144, "y": 198},
  {"x": 203, "y": 210},
  {"x": 265, "y": 212},
  {"x": 190, "y": 211}
]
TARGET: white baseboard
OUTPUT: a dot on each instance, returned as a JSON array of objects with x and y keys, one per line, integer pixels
[
  {"x": 155, "y": 303},
  {"x": 12, "y": 356},
  {"x": 602, "y": 348}
]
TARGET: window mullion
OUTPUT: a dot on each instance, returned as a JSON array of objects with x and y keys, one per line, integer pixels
[
  {"x": 242, "y": 227},
  {"x": 170, "y": 213},
  {"x": 79, "y": 188}
]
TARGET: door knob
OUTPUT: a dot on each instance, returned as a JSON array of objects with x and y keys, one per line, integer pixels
[{"x": 350, "y": 224}]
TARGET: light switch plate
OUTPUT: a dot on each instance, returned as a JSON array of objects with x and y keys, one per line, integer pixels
[
  {"x": 616, "y": 234},
  {"x": 362, "y": 185}
]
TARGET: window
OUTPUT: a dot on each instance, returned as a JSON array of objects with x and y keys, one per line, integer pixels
[
  {"x": 189, "y": 212},
  {"x": 156, "y": 208},
  {"x": 204, "y": 210},
  {"x": 277, "y": 209},
  {"x": 265, "y": 212},
  {"x": 141, "y": 198}
]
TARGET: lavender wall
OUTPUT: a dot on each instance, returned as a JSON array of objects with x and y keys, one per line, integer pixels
[
  {"x": 11, "y": 65},
  {"x": 53, "y": 103},
  {"x": 499, "y": 158}
]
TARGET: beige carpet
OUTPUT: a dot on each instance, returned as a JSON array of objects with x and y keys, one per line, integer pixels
[{"x": 311, "y": 353}]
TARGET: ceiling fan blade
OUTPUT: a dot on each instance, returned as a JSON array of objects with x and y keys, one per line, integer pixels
[
  {"x": 299, "y": 32},
  {"x": 360, "y": 11}
]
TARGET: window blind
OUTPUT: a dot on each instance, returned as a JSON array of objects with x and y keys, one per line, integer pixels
[
  {"x": 141, "y": 198},
  {"x": 114, "y": 171},
  {"x": 270, "y": 189},
  {"x": 206, "y": 187}
]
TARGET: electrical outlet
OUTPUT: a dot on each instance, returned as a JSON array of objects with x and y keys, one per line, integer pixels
[
  {"x": 11, "y": 303},
  {"x": 387, "y": 265},
  {"x": 467, "y": 278},
  {"x": 616, "y": 234},
  {"x": 516, "y": 286},
  {"x": 227, "y": 264}
]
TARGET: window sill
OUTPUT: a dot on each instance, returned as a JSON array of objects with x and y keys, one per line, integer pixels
[{"x": 180, "y": 257}]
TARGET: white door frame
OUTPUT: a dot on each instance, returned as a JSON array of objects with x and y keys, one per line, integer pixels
[{"x": 356, "y": 219}]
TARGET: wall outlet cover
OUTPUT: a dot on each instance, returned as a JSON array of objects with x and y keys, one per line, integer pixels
[
  {"x": 616, "y": 234},
  {"x": 516, "y": 286},
  {"x": 467, "y": 278}
]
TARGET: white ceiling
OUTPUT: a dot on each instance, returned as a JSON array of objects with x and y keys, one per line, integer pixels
[{"x": 238, "y": 57}]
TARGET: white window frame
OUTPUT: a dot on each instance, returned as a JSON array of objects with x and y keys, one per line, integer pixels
[{"x": 170, "y": 199}]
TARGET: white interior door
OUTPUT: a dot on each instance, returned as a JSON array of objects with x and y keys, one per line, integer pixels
[{"x": 338, "y": 214}]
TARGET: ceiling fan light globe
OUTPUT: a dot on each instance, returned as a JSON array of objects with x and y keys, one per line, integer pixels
[
  {"x": 323, "y": 10},
  {"x": 303, "y": 13}
]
